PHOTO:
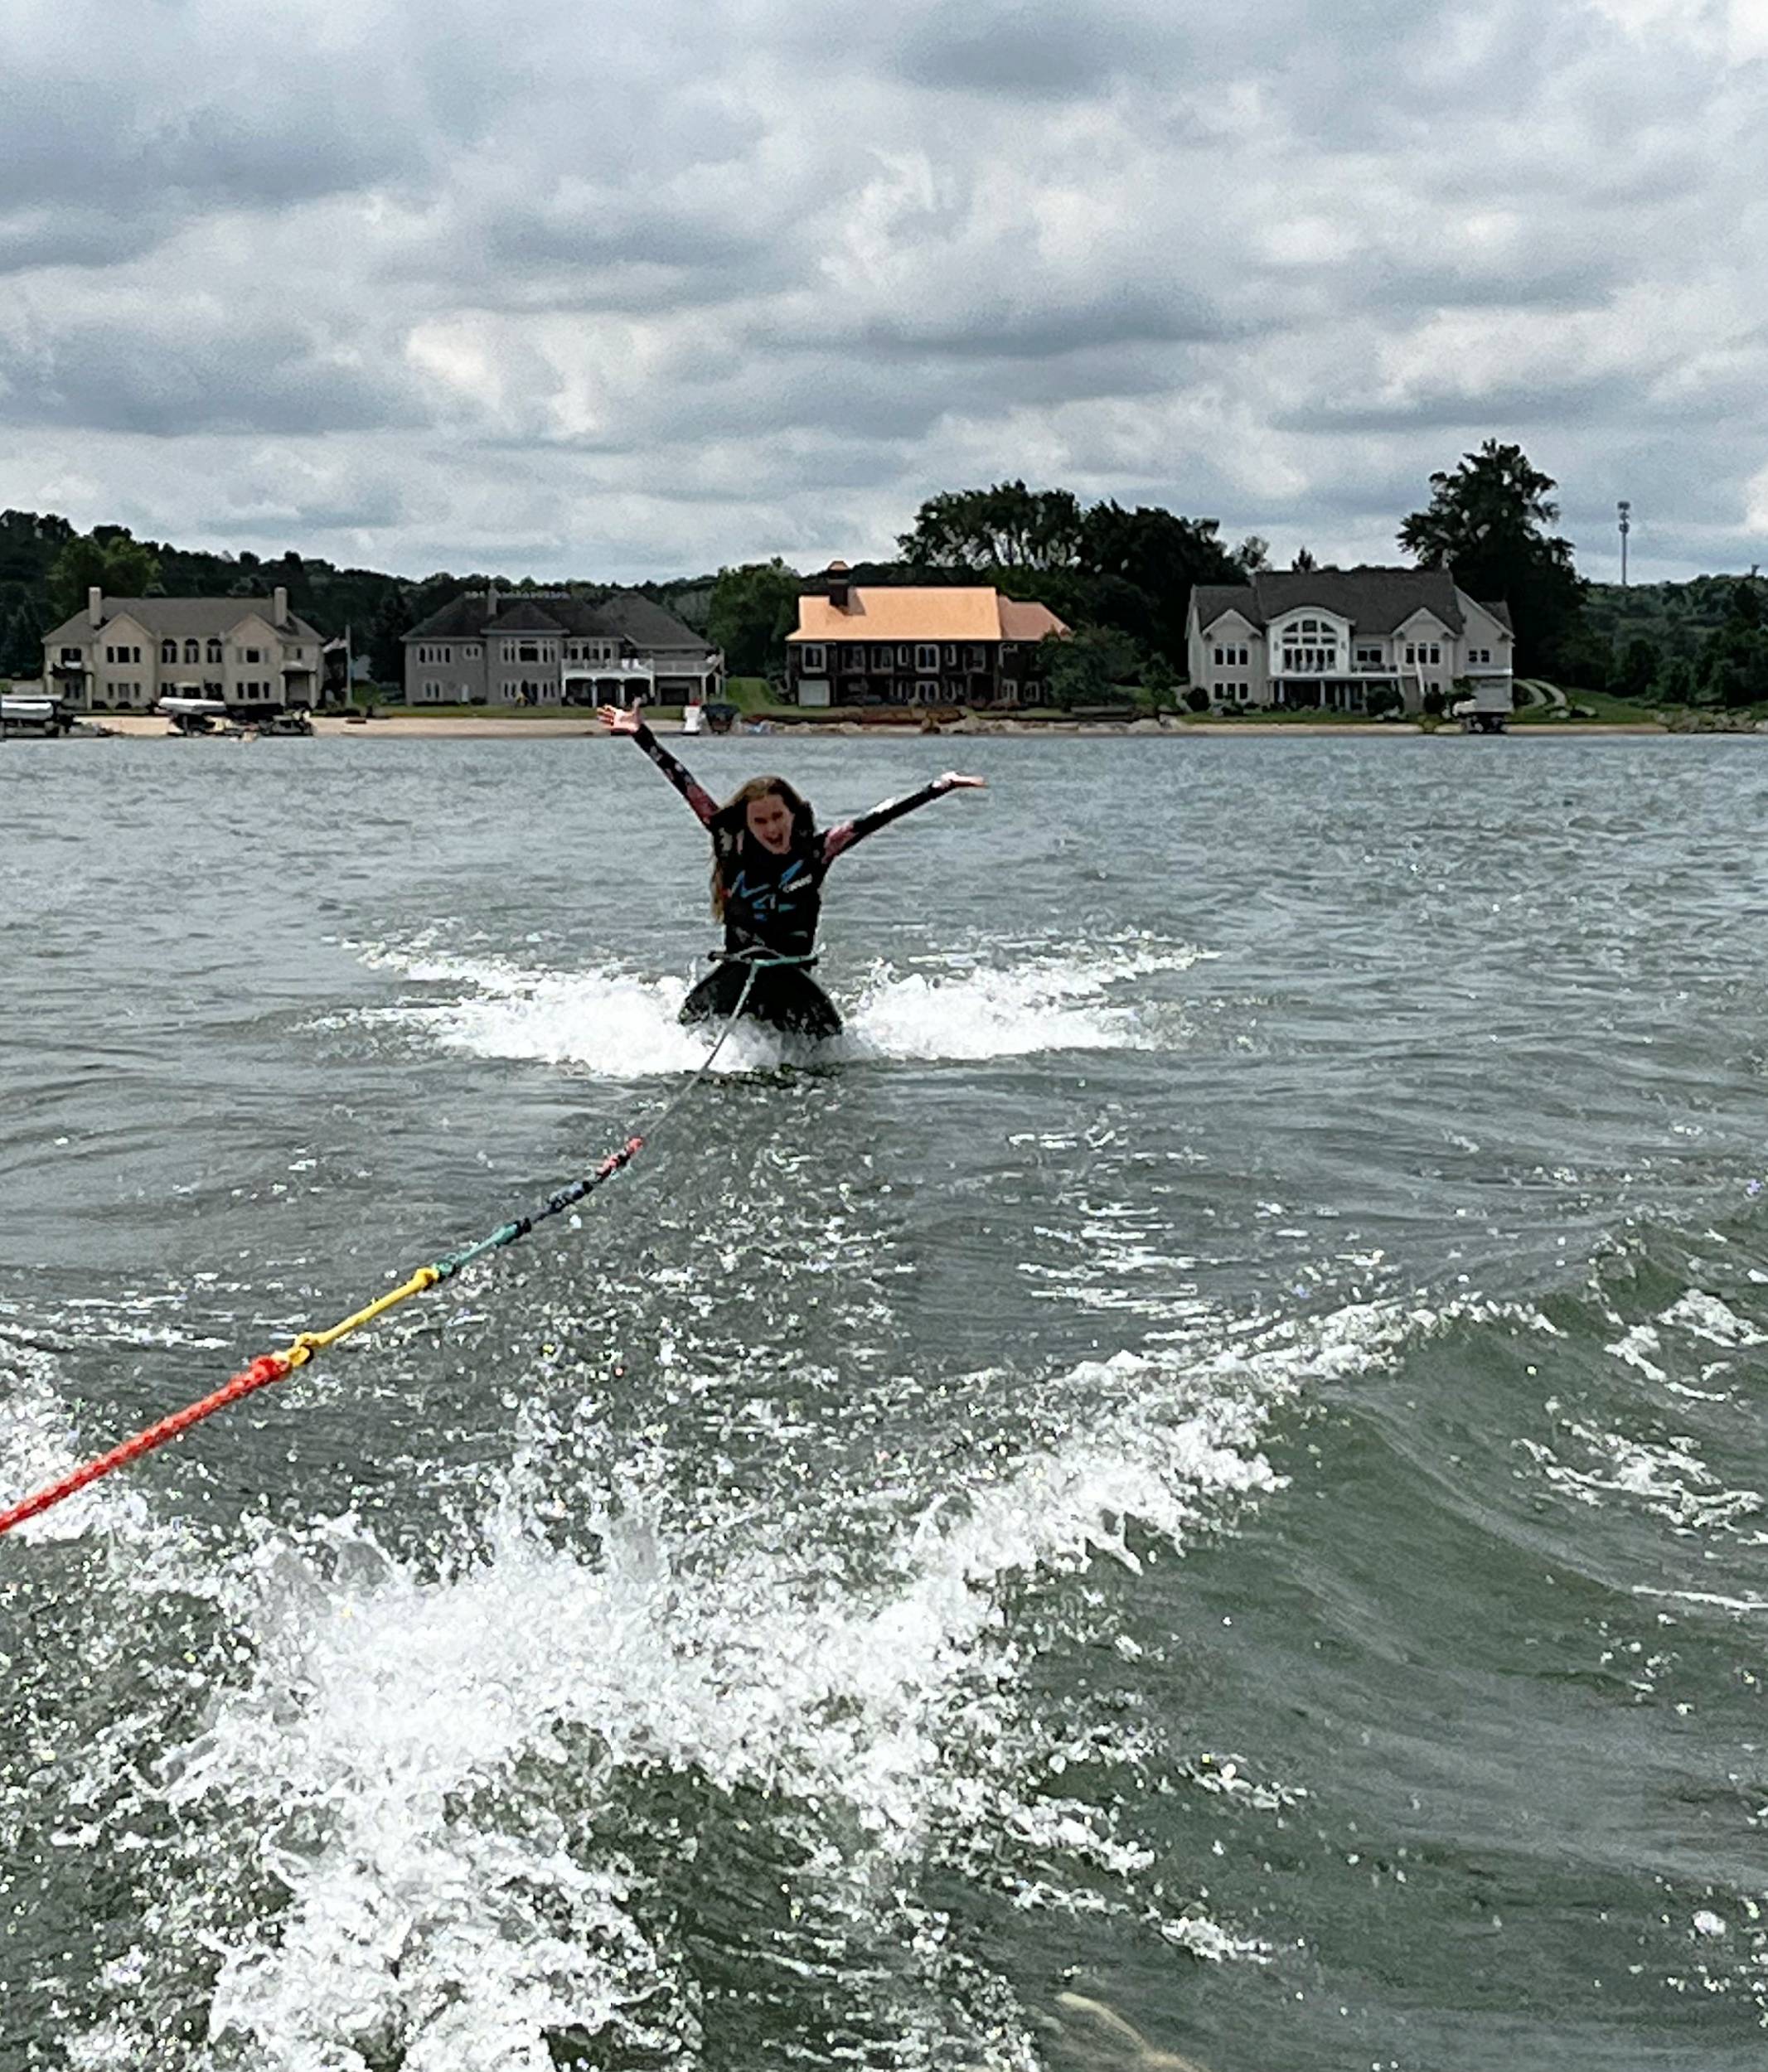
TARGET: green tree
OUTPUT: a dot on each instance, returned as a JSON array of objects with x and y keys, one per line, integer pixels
[
  {"x": 1161, "y": 680},
  {"x": 1252, "y": 554},
  {"x": 1158, "y": 556},
  {"x": 753, "y": 608},
  {"x": 1087, "y": 667},
  {"x": 1733, "y": 666},
  {"x": 1640, "y": 667},
  {"x": 393, "y": 620},
  {"x": 108, "y": 559},
  {"x": 1487, "y": 521},
  {"x": 1675, "y": 686},
  {"x": 21, "y": 641},
  {"x": 1006, "y": 527},
  {"x": 1304, "y": 561}
]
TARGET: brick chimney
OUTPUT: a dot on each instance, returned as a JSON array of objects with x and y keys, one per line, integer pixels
[
  {"x": 95, "y": 606},
  {"x": 840, "y": 589},
  {"x": 279, "y": 606}
]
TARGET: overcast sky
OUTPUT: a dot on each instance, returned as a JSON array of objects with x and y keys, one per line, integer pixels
[{"x": 569, "y": 288}]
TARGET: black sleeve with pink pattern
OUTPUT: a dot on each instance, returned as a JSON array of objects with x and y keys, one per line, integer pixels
[
  {"x": 844, "y": 834},
  {"x": 704, "y": 806}
]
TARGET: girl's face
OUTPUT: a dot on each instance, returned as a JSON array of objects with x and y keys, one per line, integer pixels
[{"x": 770, "y": 822}]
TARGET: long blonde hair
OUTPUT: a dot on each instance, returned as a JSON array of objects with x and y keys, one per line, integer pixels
[{"x": 731, "y": 823}]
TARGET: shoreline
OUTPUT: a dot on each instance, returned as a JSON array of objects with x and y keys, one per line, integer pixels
[{"x": 150, "y": 726}]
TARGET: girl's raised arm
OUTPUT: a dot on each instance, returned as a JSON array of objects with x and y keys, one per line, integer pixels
[
  {"x": 846, "y": 833},
  {"x": 617, "y": 721}
]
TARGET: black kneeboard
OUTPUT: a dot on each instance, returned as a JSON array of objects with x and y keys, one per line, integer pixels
[{"x": 784, "y": 997}]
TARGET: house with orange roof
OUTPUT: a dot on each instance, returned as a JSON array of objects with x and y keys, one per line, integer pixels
[{"x": 889, "y": 644}]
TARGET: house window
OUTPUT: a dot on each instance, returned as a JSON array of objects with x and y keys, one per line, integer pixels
[
  {"x": 168, "y": 651},
  {"x": 215, "y": 653},
  {"x": 814, "y": 659},
  {"x": 1368, "y": 658},
  {"x": 950, "y": 655},
  {"x": 905, "y": 658},
  {"x": 1009, "y": 689},
  {"x": 193, "y": 652},
  {"x": 926, "y": 689},
  {"x": 927, "y": 656},
  {"x": 72, "y": 654},
  {"x": 528, "y": 651},
  {"x": 975, "y": 659}
]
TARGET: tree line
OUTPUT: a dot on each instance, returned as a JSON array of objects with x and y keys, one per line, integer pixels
[{"x": 1121, "y": 576}]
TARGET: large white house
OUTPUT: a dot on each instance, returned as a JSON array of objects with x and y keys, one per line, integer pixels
[
  {"x": 125, "y": 653},
  {"x": 520, "y": 647},
  {"x": 1329, "y": 637}
]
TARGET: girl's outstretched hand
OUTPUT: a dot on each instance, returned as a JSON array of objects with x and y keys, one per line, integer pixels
[
  {"x": 954, "y": 782},
  {"x": 618, "y": 721}
]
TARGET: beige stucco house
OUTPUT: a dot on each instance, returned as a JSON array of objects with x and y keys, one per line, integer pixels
[
  {"x": 125, "y": 654},
  {"x": 1329, "y": 637}
]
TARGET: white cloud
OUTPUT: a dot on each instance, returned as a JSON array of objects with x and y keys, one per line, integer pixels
[{"x": 578, "y": 287}]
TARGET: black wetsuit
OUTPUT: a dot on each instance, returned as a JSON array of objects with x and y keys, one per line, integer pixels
[{"x": 772, "y": 905}]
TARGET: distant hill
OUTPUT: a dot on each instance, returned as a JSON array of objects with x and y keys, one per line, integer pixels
[{"x": 1676, "y": 618}]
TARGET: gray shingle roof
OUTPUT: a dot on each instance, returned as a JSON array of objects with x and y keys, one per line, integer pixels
[
  {"x": 1374, "y": 600},
  {"x": 625, "y": 615},
  {"x": 197, "y": 617}
]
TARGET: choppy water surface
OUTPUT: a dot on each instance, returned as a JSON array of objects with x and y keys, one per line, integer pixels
[{"x": 1196, "y": 1486}]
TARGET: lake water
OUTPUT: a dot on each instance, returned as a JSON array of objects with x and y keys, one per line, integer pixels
[{"x": 1208, "y": 1459}]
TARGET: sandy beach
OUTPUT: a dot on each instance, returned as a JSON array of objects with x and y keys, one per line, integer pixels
[{"x": 494, "y": 726}]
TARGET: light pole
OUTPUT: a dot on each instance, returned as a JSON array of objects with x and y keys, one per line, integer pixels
[{"x": 1626, "y": 510}]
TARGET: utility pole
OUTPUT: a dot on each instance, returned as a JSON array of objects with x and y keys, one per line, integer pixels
[{"x": 1626, "y": 510}]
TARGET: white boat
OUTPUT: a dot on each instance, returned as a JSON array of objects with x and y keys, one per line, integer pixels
[
  {"x": 32, "y": 713},
  {"x": 192, "y": 715}
]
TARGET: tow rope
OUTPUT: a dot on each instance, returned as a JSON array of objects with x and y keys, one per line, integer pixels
[{"x": 275, "y": 1366}]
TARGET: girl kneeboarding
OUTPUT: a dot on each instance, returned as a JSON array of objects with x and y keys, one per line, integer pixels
[{"x": 768, "y": 863}]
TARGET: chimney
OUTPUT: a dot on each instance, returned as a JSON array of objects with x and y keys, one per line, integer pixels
[
  {"x": 279, "y": 606},
  {"x": 95, "y": 605},
  {"x": 839, "y": 589}
]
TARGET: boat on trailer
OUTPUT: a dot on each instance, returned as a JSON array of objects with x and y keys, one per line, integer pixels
[
  {"x": 193, "y": 715},
  {"x": 25, "y": 712}
]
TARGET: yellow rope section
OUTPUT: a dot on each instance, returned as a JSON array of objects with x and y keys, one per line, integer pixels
[{"x": 312, "y": 1342}]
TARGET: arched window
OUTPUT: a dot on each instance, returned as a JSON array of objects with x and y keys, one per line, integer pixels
[
  {"x": 190, "y": 650},
  {"x": 215, "y": 650},
  {"x": 168, "y": 651}
]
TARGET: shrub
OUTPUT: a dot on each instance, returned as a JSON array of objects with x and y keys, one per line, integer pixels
[{"x": 1197, "y": 698}]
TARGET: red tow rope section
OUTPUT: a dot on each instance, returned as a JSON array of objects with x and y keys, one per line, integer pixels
[
  {"x": 274, "y": 1367},
  {"x": 269, "y": 1366}
]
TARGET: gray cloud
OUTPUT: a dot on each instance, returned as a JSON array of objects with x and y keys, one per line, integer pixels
[{"x": 578, "y": 289}]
